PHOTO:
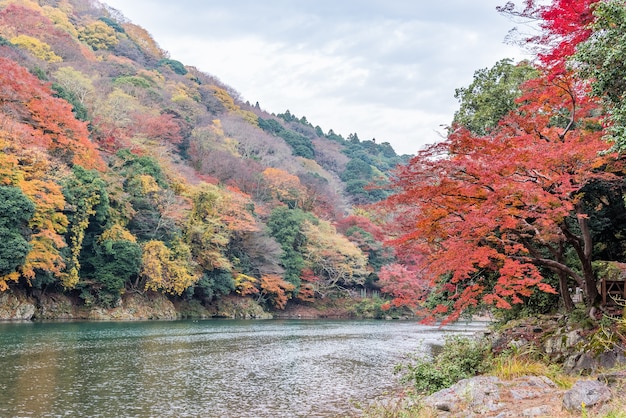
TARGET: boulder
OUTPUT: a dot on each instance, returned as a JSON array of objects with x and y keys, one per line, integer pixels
[
  {"x": 527, "y": 396},
  {"x": 586, "y": 392},
  {"x": 480, "y": 391}
]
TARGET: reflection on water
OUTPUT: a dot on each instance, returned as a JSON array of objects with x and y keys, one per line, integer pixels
[{"x": 203, "y": 368}]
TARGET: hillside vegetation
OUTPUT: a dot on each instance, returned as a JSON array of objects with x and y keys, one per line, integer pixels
[{"x": 122, "y": 169}]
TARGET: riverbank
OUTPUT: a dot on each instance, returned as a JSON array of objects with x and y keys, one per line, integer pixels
[
  {"x": 37, "y": 305},
  {"x": 19, "y": 306},
  {"x": 548, "y": 366}
]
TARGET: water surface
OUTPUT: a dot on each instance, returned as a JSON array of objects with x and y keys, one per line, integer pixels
[{"x": 215, "y": 368}]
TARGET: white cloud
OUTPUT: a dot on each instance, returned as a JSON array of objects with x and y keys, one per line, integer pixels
[{"x": 383, "y": 69}]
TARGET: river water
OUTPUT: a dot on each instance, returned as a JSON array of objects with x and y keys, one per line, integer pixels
[{"x": 213, "y": 368}]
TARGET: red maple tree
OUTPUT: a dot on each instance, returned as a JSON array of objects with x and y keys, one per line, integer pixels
[
  {"x": 28, "y": 107},
  {"x": 490, "y": 213},
  {"x": 564, "y": 24}
]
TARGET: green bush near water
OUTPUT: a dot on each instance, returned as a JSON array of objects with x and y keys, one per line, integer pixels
[{"x": 460, "y": 358}]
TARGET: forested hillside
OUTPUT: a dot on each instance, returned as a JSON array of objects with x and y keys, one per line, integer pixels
[{"x": 124, "y": 170}]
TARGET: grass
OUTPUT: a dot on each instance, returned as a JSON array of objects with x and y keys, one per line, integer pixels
[{"x": 509, "y": 367}]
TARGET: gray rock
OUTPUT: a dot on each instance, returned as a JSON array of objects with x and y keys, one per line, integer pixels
[
  {"x": 586, "y": 364},
  {"x": 15, "y": 307},
  {"x": 573, "y": 338},
  {"x": 537, "y": 411},
  {"x": 588, "y": 392},
  {"x": 478, "y": 393},
  {"x": 553, "y": 345},
  {"x": 610, "y": 359},
  {"x": 613, "y": 378}
]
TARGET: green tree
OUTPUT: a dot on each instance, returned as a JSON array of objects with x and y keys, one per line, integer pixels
[
  {"x": 16, "y": 210},
  {"x": 112, "y": 265},
  {"x": 176, "y": 66},
  {"x": 491, "y": 95},
  {"x": 286, "y": 226},
  {"x": 88, "y": 207}
]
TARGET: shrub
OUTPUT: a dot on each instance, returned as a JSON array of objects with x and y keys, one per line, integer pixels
[{"x": 460, "y": 358}]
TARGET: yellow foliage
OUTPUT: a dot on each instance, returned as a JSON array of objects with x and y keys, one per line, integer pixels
[
  {"x": 11, "y": 277},
  {"x": 98, "y": 35},
  {"x": 117, "y": 233},
  {"x": 65, "y": 7},
  {"x": 117, "y": 109},
  {"x": 216, "y": 126},
  {"x": 60, "y": 19},
  {"x": 75, "y": 82},
  {"x": 165, "y": 269},
  {"x": 338, "y": 259},
  {"x": 206, "y": 233},
  {"x": 144, "y": 40},
  {"x": 245, "y": 285},
  {"x": 181, "y": 91},
  {"x": 225, "y": 98},
  {"x": 249, "y": 117},
  {"x": 29, "y": 171},
  {"x": 148, "y": 184},
  {"x": 47, "y": 195},
  {"x": 38, "y": 48},
  {"x": 283, "y": 186},
  {"x": 229, "y": 103}
]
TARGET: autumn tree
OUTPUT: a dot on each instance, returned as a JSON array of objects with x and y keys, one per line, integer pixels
[
  {"x": 333, "y": 258},
  {"x": 283, "y": 187},
  {"x": 275, "y": 290},
  {"x": 600, "y": 59},
  {"x": 407, "y": 286},
  {"x": 167, "y": 269},
  {"x": 564, "y": 24},
  {"x": 38, "y": 48},
  {"x": 17, "y": 20},
  {"x": 215, "y": 216},
  {"x": 98, "y": 35},
  {"x": 496, "y": 211},
  {"x": 45, "y": 121},
  {"x": 30, "y": 171}
]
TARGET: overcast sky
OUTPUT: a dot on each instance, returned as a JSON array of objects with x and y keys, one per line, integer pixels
[{"x": 385, "y": 69}]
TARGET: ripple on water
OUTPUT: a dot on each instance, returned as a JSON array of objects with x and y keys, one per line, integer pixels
[{"x": 204, "y": 368}]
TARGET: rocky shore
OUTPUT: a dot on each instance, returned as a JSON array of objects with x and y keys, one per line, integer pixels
[
  {"x": 527, "y": 396},
  {"x": 595, "y": 371},
  {"x": 16, "y": 306}
]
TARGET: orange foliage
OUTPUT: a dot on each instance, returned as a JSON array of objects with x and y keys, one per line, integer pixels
[
  {"x": 275, "y": 290},
  {"x": 245, "y": 285},
  {"x": 28, "y": 170},
  {"x": 44, "y": 120},
  {"x": 284, "y": 187}
]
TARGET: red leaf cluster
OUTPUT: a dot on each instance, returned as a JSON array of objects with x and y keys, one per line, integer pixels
[{"x": 483, "y": 208}]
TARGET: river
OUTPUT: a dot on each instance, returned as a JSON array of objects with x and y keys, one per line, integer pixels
[{"x": 213, "y": 368}]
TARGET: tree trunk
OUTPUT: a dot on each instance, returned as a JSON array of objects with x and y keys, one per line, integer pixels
[
  {"x": 591, "y": 287},
  {"x": 565, "y": 295}
]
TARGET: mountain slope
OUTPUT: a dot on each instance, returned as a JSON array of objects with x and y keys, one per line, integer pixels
[{"x": 149, "y": 175}]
